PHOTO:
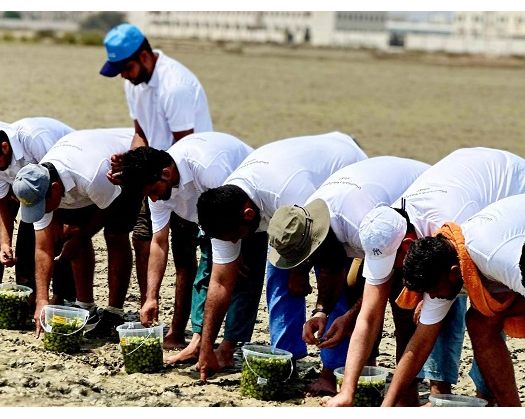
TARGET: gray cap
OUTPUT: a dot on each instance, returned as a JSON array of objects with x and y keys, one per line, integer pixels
[
  {"x": 30, "y": 187},
  {"x": 295, "y": 232}
]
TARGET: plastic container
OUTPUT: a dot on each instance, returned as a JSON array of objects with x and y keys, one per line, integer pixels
[
  {"x": 63, "y": 327},
  {"x": 370, "y": 386},
  {"x": 14, "y": 306},
  {"x": 456, "y": 400},
  {"x": 265, "y": 371},
  {"x": 141, "y": 347}
]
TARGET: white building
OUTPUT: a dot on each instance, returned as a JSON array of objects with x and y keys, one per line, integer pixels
[
  {"x": 490, "y": 24},
  {"x": 358, "y": 29}
]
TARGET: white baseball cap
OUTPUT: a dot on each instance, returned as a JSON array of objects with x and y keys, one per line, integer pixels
[{"x": 381, "y": 232}]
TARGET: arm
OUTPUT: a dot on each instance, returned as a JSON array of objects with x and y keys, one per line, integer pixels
[
  {"x": 181, "y": 134},
  {"x": 367, "y": 327},
  {"x": 330, "y": 286},
  {"x": 341, "y": 327},
  {"x": 75, "y": 239},
  {"x": 139, "y": 139},
  {"x": 44, "y": 252},
  {"x": 158, "y": 259},
  {"x": 6, "y": 231},
  {"x": 222, "y": 283},
  {"x": 415, "y": 355}
]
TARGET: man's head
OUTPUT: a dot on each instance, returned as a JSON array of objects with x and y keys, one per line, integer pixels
[
  {"x": 227, "y": 213},
  {"x": 296, "y": 232},
  {"x": 129, "y": 54},
  {"x": 381, "y": 232},
  {"x": 6, "y": 152},
  {"x": 30, "y": 187},
  {"x": 431, "y": 265},
  {"x": 151, "y": 171}
]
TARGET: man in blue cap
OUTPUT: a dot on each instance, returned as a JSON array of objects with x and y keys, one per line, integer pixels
[{"x": 166, "y": 102}]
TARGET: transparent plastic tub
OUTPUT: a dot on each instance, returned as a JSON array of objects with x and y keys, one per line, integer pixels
[
  {"x": 370, "y": 386},
  {"x": 456, "y": 400},
  {"x": 265, "y": 371},
  {"x": 141, "y": 347},
  {"x": 14, "y": 306},
  {"x": 63, "y": 327}
]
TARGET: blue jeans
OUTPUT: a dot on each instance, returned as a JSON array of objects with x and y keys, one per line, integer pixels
[
  {"x": 443, "y": 362},
  {"x": 244, "y": 305},
  {"x": 287, "y": 315}
]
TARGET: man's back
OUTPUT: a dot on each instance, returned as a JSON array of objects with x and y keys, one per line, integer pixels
[
  {"x": 287, "y": 172},
  {"x": 460, "y": 185}
]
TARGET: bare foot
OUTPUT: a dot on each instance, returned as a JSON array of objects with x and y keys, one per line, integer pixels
[
  {"x": 189, "y": 355},
  {"x": 325, "y": 385},
  {"x": 224, "y": 354},
  {"x": 171, "y": 341}
]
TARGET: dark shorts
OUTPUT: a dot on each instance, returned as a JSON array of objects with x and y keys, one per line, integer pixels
[
  {"x": 119, "y": 217},
  {"x": 184, "y": 234}
]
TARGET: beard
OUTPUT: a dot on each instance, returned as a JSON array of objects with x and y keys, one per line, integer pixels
[
  {"x": 166, "y": 195},
  {"x": 143, "y": 76}
]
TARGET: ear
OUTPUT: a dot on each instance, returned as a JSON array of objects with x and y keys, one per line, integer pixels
[
  {"x": 249, "y": 213},
  {"x": 55, "y": 195},
  {"x": 455, "y": 274},
  {"x": 405, "y": 244},
  {"x": 166, "y": 173},
  {"x": 402, "y": 251},
  {"x": 5, "y": 147}
]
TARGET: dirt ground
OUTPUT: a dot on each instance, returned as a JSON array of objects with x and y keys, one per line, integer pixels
[{"x": 412, "y": 106}]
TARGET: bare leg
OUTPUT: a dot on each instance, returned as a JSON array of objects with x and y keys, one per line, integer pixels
[
  {"x": 190, "y": 354},
  {"x": 493, "y": 357},
  {"x": 84, "y": 271},
  {"x": 182, "y": 307},
  {"x": 141, "y": 248},
  {"x": 119, "y": 267}
]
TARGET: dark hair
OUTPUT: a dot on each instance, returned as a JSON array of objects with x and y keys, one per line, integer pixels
[
  {"x": 143, "y": 166},
  {"x": 220, "y": 210},
  {"x": 522, "y": 265},
  {"x": 145, "y": 46},
  {"x": 404, "y": 214},
  {"x": 426, "y": 261},
  {"x": 53, "y": 176}
]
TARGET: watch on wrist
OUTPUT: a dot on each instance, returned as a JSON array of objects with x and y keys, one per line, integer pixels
[{"x": 319, "y": 310}]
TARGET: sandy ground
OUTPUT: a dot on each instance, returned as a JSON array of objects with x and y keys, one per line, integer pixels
[{"x": 417, "y": 106}]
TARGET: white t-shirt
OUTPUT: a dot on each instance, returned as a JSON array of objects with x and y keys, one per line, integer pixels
[
  {"x": 460, "y": 185},
  {"x": 287, "y": 172},
  {"x": 353, "y": 191},
  {"x": 204, "y": 161},
  {"x": 456, "y": 188},
  {"x": 494, "y": 238},
  {"x": 172, "y": 101},
  {"x": 30, "y": 140},
  {"x": 82, "y": 160}
]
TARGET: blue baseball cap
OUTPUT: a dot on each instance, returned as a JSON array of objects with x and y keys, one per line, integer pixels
[
  {"x": 121, "y": 42},
  {"x": 30, "y": 187}
]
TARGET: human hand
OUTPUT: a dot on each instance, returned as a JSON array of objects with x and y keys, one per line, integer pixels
[
  {"x": 149, "y": 312},
  {"x": 114, "y": 175},
  {"x": 38, "y": 310},
  {"x": 314, "y": 326},
  {"x": 208, "y": 364},
  {"x": 339, "y": 329},
  {"x": 72, "y": 248},
  {"x": 6, "y": 255}
]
